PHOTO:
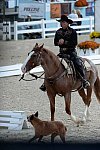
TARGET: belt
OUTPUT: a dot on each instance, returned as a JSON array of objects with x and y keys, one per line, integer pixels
[{"x": 65, "y": 49}]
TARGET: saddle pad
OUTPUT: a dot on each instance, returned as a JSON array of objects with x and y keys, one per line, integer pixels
[
  {"x": 87, "y": 65},
  {"x": 67, "y": 67}
]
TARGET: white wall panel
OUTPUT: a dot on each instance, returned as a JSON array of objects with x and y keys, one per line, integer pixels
[{"x": 97, "y": 15}]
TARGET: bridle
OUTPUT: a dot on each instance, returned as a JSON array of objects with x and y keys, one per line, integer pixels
[{"x": 33, "y": 75}]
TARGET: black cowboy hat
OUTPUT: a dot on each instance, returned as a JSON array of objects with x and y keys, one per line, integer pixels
[{"x": 65, "y": 18}]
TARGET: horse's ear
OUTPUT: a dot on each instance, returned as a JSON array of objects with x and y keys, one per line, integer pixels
[
  {"x": 36, "y": 44},
  {"x": 41, "y": 46}
]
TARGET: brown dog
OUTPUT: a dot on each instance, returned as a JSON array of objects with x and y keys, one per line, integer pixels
[{"x": 44, "y": 128}]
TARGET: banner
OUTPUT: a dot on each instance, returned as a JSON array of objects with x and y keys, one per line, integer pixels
[
  {"x": 56, "y": 10},
  {"x": 36, "y": 10},
  {"x": 65, "y": 8},
  {"x": 90, "y": 9}
]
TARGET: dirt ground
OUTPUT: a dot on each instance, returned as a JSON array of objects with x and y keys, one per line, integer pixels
[{"x": 26, "y": 96}]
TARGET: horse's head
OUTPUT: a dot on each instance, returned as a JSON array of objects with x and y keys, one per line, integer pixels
[{"x": 33, "y": 59}]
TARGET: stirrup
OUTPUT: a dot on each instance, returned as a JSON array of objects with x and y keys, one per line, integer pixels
[
  {"x": 42, "y": 87},
  {"x": 86, "y": 84}
]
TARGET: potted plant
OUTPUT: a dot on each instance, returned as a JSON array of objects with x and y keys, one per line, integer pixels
[
  {"x": 81, "y": 3},
  {"x": 88, "y": 48},
  {"x": 94, "y": 35}
]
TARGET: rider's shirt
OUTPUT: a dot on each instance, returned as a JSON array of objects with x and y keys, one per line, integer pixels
[{"x": 70, "y": 39}]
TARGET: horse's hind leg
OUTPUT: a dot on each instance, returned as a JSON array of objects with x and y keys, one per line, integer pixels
[{"x": 87, "y": 100}]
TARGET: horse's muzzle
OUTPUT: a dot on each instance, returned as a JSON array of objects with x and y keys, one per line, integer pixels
[{"x": 23, "y": 69}]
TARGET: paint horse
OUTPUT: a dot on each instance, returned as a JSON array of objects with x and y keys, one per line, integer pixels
[{"x": 57, "y": 82}]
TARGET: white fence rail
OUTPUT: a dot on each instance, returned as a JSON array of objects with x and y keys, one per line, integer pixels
[
  {"x": 7, "y": 71},
  {"x": 47, "y": 28},
  {"x": 13, "y": 120}
]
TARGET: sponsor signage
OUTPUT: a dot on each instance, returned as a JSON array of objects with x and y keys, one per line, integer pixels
[
  {"x": 56, "y": 10},
  {"x": 36, "y": 10}
]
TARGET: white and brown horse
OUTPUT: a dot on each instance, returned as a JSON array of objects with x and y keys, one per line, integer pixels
[{"x": 57, "y": 82}]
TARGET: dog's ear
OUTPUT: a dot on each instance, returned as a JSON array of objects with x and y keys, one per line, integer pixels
[{"x": 36, "y": 114}]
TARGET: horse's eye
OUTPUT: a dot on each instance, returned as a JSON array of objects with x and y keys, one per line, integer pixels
[{"x": 34, "y": 55}]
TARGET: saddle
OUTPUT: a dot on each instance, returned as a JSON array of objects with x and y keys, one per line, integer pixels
[{"x": 69, "y": 66}]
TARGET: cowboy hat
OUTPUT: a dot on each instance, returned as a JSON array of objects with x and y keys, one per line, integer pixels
[{"x": 65, "y": 18}]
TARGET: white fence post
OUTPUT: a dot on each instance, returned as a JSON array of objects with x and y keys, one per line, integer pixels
[
  {"x": 13, "y": 120},
  {"x": 91, "y": 24},
  {"x": 15, "y": 30},
  {"x": 43, "y": 28},
  {"x": 6, "y": 30},
  {"x": 9, "y": 30}
]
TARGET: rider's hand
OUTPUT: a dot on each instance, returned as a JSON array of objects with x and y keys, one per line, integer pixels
[
  {"x": 60, "y": 55},
  {"x": 61, "y": 41}
]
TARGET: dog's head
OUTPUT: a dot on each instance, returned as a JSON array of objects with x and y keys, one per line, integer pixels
[{"x": 31, "y": 117}]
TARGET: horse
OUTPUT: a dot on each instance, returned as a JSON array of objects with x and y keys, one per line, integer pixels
[{"x": 57, "y": 81}]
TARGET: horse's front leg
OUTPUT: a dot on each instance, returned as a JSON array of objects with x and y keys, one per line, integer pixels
[
  {"x": 67, "y": 108},
  {"x": 52, "y": 105}
]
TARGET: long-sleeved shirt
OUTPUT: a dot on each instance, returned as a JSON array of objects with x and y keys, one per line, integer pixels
[{"x": 70, "y": 38}]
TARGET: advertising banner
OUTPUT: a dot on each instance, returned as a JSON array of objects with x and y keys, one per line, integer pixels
[
  {"x": 36, "y": 10},
  {"x": 65, "y": 8},
  {"x": 56, "y": 10},
  {"x": 90, "y": 9}
]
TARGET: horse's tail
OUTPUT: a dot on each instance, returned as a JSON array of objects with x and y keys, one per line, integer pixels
[{"x": 97, "y": 88}]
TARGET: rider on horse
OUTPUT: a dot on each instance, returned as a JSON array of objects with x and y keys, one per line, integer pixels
[{"x": 66, "y": 39}]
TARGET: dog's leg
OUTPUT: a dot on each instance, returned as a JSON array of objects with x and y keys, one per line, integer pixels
[
  {"x": 32, "y": 139},
  {"x": 52, "y": 137},
  {"x": 62, "y": 138},
  {"x": 39, "y": 140}
]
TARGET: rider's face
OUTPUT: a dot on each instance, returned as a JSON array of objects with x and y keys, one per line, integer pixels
[{"x": 64, "y": 24}]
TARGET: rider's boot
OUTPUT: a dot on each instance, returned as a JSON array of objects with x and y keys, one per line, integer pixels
[
  {"x": 85, "y": 83},
  {"x": 82, "y": 73},
  {"x": 42, "y": 87}
]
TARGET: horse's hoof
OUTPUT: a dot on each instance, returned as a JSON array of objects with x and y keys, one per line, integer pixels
[
  {"x": 80, "y": 122},
  {"x": 77, "y": 125}
]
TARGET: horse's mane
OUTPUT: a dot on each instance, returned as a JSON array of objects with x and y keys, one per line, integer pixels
[{"x": 51, "y": 54}]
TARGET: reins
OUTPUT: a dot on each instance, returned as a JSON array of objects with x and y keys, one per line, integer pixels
[{"x": 33, "y": 75}]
